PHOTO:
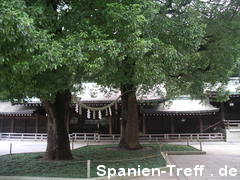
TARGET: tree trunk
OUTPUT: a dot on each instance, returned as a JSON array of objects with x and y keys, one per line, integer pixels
[
  {"x": 130, "y": 122},
  {"x": 58, "y": 146}
]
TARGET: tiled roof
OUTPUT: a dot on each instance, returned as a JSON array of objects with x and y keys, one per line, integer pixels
[
  {"x": 94, "y": 92},
  {"x": 6, "y": 108},
  {"x": 182, "y": 106}
]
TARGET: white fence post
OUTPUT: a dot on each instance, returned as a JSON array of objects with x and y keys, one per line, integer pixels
[
  {"x": 72, "y": 142},
  {"x": 114, "y": 137},
  {"x": 165, "y": 136},
  {"x": 200, "y": 145},
  {"x": 99, "y": 137},
  {"x": 88, "y": 168},
  {"x": 10, "y": 150},
  {"x": 150, "y": 137}
]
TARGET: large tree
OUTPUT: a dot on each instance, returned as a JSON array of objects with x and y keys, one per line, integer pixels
[
  {"x": 148, "y": 42},
  {"x": 40, "y": 57},
  {"x": 48, "y": 46}
]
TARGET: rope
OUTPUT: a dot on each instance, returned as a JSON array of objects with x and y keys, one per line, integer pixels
[{"x": 103, "y": 107}]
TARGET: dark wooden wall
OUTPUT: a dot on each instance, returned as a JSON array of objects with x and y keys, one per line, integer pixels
[
  {"x": 23, "y": 124},
  {"x": 230, "y": 112},
  {"x": 81, "y": 124},
  {"x": 181, "y": 124}
]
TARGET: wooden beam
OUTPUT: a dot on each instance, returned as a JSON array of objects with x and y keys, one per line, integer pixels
[
  {"x": 36, "y": 122},
  {"x": 144, "y": 130},
  {"x": 25, "y": 125},
  {"x": 67, "y": 123},
  {"x": 222, "y": 111},
  {"x": 222, "y": 114},
  {"x": 172, "y": 125},
  {"x": 200, "y": 125},
  {"x": 110, "y": 124},
  {"x": 12, "y": 125},
  {"x": 1, "y": 124},
  {"x": 121, "y": 126}
]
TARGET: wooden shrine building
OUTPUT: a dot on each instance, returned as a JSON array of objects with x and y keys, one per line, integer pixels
[{"x": 181, "y": 115}]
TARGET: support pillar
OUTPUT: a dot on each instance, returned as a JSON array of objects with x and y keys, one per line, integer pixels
[
  {"x": 172, "y": 126},
  {"x": 200, "y": 125},
  {"x": 68, "y": 123},
  {"x": 36, "y": 122},
  {"x": 25, "y": 125},
  {"x": 110, "y": 124},
  {"x": 12, "y": 124},
  {"x": 222, "y": 114},
  {"x": 121, "y": 125},
  {"x": 1, "y": 125},
  {"x": 144, "y": 124}
]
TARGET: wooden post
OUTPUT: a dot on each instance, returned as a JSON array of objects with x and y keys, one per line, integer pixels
[
  {"x": 121, "y": 126},
  {"x": 222, "y": 114},
  {"x": 200, "y": 125},
  {"x": 72, "y": 142},
  {"x": 68, "y": 122},
  {"x": 144, "y": 124},
  {"x": 114, "y": 119},
  {"x": 172, "y": 126},
  {"x": 12, "y": 124},
  {"x": 25, "y": 125},
  {"x": 110, "y": 124},
  {"x": 1, "y": 124},
  {"x": 36, "y": 122}
]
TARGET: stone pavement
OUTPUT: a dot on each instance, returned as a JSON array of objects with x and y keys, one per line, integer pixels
[
  {"x": 28, "y": 146},
  {"x": 219, "y": 155},
  {"x": 22, "y": 146}
]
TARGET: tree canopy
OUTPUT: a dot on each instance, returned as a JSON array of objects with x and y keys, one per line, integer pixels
[
  {"x": 39, "y": 56},
  {"x": 178, "y": 43},
  {"x": 184, "y": 45}
]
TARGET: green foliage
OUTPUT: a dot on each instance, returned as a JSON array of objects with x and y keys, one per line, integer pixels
[
  {"x": 38, "y": 55},
  {"x": 48, "y": 46},
  {"x": 181, "y": 44}
]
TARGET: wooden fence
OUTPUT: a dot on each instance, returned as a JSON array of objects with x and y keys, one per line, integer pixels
[
  {"x": 232, "y": 124},
  {"x": 95, "y": 137}
]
